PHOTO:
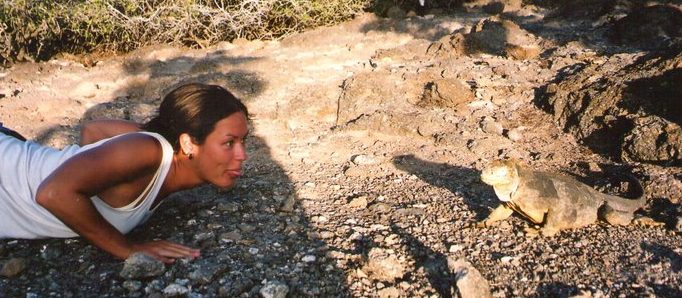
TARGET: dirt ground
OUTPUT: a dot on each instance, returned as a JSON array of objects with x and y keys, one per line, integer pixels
[{"x": 363, "y": 171}]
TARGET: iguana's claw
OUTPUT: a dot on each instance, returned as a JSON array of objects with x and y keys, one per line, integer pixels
[
  {"x": 647, "y": 222},
  {"x": 531, "y": 232}
]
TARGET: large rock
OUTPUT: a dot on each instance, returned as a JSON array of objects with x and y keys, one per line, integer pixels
[
  {"x": 653, "y": 139},
  {"x": 503, "y": 38},
  {"x": 625, "y": 107},
  {"x": 491, "y": 36},
  {"x": 446, "y": 93}
]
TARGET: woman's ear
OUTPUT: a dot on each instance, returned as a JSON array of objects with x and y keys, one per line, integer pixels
[{"x": 186, "y": 144}]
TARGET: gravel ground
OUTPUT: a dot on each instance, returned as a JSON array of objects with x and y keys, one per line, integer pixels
[{"x": 363, "y": 177}]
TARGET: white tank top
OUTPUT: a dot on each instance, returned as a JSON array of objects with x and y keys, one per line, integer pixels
[{"x": 24, "y": 165}]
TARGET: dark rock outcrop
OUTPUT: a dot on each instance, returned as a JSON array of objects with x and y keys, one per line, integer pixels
[{"x": 624, "y": 108}]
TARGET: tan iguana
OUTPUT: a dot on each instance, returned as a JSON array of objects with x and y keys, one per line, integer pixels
[{"x": 556, "y": 201}]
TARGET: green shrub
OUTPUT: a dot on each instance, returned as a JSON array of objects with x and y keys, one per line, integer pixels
[{"x": 38, "y": 29}]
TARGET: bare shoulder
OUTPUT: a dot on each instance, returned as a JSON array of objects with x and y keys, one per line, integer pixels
[{"x": 129, "y": 150}]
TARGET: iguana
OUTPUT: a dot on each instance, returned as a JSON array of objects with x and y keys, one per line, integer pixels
[{"x": 556, "y": 201}]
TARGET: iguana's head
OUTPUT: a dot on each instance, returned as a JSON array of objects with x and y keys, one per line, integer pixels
[{"x": 503, "y": 176}]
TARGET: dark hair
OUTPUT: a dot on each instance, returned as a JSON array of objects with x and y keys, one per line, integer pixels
[{"x": 193, "y": 109}]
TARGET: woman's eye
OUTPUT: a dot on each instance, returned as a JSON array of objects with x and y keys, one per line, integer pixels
[{"x": 229, "y": 143}]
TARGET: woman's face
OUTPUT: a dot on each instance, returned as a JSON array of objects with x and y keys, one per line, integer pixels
[{"x": 220, "y": 157}]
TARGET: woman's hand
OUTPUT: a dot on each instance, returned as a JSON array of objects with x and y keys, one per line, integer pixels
[{"x": 166, "y": 251}]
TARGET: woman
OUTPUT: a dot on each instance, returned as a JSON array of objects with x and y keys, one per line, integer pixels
[{"x": 121, "y": 171}]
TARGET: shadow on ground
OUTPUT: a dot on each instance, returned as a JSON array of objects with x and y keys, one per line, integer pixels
[{"x": 461, "y": 181}]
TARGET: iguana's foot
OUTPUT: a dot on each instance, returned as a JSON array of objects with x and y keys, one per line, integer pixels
[
  {"x": 549, "y": 232},
  {"x": 531, "y": 232},
  {"x": 485, "y": 224},
  {"x": 647, "y": 222}
]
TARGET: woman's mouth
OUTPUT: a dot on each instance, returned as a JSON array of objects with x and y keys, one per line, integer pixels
[{"x": 234, "y": 173}]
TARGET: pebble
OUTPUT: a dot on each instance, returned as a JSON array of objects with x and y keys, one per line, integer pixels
[
  {"x": 139, "y": 265},
  {"x": 132, "y": 285},
  {"x": 390, "y": 292},
  {"x": 491, "y": 126},
  {"x": 204, "y": 274},
  {"x": 470, "y": 283},
  {"x": 359, "y": 203},
  {"x": 13, "y": 267},
  {"x": 274, "y": 289},
  {"x": 456, "y": 248},
  {"x": 384, "y": 265},
  {"x": 514, "y": 134},
  {"x": 309, "y": 259},
  {"x": 362, "y": 159},
  {"x": 233, "y": 236},
  {"x": 174, "y": 290}
]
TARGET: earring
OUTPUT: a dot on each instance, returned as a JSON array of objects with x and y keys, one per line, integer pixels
[{"x": 189, "y": 154}]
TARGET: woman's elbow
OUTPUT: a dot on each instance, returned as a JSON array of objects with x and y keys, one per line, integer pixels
[
  {"x": 46, "y": 197},
  {"x": 87, "y": 134}
]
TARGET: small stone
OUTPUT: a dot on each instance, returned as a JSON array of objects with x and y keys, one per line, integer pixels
[
  {"x": 456, "y": 248},
  {"x": 13, "y": 267},
  {"x": 491, "y": 126},
  {"x": 327, "y": 235},
  {"x": 139, "y": 265},
  {"x": 274, "y": 289},
  {"x": 233, "y": 236},
  {"x": 360, "y": 203},
  {"x": 384, "y": 265},
  {"x": 174, "y": 290},
  {"x": 246, "y": 228},
  {"x": 132, "y": 285},
  {"x": 362, "y": 159},
  {"x": 470, "y": 283},
  {"x": 390, "y": 292},
  {"x": 514, "y": 134},
  {"x": 204, "y": 236},
  {"x": 205, "y": 273},
  {"x": 380, "y": 208},
  {"x": 289, "y": 204},
  {"x": 309, "y": 259}
]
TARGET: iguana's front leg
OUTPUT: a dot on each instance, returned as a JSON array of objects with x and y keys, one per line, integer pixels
[
  {"x": 500, "y": 213},
  {"x": 615, "y": 217}
]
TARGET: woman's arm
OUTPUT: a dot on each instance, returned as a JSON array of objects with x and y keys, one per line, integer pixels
[
  {"x": 66, "y": 194},
  {"x": 95, "y": 130}
]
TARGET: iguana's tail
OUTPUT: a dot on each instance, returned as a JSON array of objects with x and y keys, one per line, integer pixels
[{"x": 627, "y": 205}]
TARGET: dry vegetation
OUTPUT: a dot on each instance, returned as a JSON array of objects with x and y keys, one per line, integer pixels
[{"x": 36, "y": 30}]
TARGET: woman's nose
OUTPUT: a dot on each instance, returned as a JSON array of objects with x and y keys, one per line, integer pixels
[{"x": 240, "y": 153}]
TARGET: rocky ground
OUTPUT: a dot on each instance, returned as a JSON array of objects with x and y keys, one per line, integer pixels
[{"x": 368, "y": 141}]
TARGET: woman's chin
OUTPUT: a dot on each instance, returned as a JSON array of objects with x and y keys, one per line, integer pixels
[{"x": 225, "y": 184}]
